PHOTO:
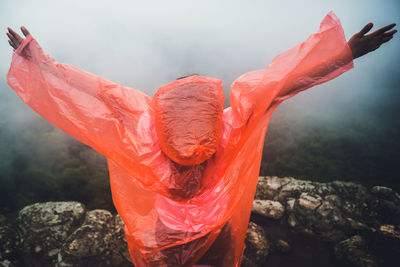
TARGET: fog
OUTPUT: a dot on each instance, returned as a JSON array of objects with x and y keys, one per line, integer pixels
[{"x": 145, "y": 44}]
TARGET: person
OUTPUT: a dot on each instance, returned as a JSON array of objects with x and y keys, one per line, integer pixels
[{"x": 183, "y": 194}]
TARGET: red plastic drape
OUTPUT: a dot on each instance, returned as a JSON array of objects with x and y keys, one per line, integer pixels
[{"x": 163, "y": 225}]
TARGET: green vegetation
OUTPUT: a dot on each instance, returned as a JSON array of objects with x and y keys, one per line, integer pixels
[
  {"x": 360, "y": 147},
  {"x": 47, "y": 165},
  {"x": 41, "y": 163}
]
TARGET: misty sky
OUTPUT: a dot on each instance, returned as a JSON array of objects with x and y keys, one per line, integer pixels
[{"x": 145, "y": 44}]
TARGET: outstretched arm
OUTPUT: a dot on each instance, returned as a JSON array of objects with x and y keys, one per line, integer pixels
[
  {"x": 322, "y": 57},
  {"x": 360, "y": 44},
  {"x": 112, "y": 119}
]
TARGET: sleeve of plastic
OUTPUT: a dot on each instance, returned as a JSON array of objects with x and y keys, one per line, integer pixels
[
  {"x": 322, "y": 57},
  {"x": 85, "y": 106}
]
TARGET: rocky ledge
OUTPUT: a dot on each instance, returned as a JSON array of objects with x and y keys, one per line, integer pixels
[
  {"x": 356, "y": 226},
  {"x": 63, "y": 234}
]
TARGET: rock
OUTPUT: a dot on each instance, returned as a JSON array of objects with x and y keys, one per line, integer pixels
[
  {"x": 331, "y": 211},
  {"x": 64, "y": 234},
  {"x": 389, "y": 231},
  {"x": 356, "y": 225},
  {"x": 336, "y": 211},
  {"x": 257, "y": 245},
  {"x": 380, "y": 211},
  {"x": 290, "y": 204},
  {"x": 87, "y": 240},
  {"x": 268, "y": 208},
  {"x": 349, "y": 189},
  {"x": 8, "y": 244},
  {"x": 355, "y": 251},
  {"x": 121, "y": 246},
  {"x": 386, "y": 193},
  {"x": 292, "y": 188},
  {"x": 99, "y": 218},
  {"x": 268, "y": 187},
  {"x": 292, "y": 222},
  {"x": 326, "y": 208},
  {"x": 95, "y": 242},
  {"x": 310, "y": 214},
  {"x": 44, "y": 227},
  {"x": 282, "y": 246},
  {"x": 309, "y": 202}
]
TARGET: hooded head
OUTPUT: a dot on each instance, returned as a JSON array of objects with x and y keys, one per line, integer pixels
[{"x": 188, "y": 116}]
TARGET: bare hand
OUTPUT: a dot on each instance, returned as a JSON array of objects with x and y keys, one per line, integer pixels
[
  {"x": 361, "y": 44},
  {"x": 15, "y": 39}
]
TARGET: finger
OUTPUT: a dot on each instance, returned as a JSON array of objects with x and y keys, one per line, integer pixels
[
  {"x": 386, "y": 39},
  {"x": 25, "y": 31},
  {"x": 12, "y": 44},
  {"x": 387, "y": 34},
  {"x": 366, "y": 29},
  {"x": 12, "y": 38},
  {"x": 16, "y": 35},
  {"x": 383, "y": 29},
  {"x": 13, "y": 33}
]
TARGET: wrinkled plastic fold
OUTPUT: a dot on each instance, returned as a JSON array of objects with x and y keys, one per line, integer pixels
[
  {"x": 174, "y": 214},
  {"x": 188, "y": 115}
]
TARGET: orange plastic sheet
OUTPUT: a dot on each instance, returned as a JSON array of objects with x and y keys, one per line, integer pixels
[
  {"x": 166, "y": 225},
  {"x": 188, "y": 116}
]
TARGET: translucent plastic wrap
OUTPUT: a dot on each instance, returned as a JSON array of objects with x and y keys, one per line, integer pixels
[
  {"x": 188, "y": 115},
  {"x": 177, "y": 215}
]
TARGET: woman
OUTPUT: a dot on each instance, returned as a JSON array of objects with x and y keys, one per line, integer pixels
[{"x": 183, "y": 171}]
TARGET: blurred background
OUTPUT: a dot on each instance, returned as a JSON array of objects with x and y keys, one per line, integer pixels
[{"x": 347, "y": 129}]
